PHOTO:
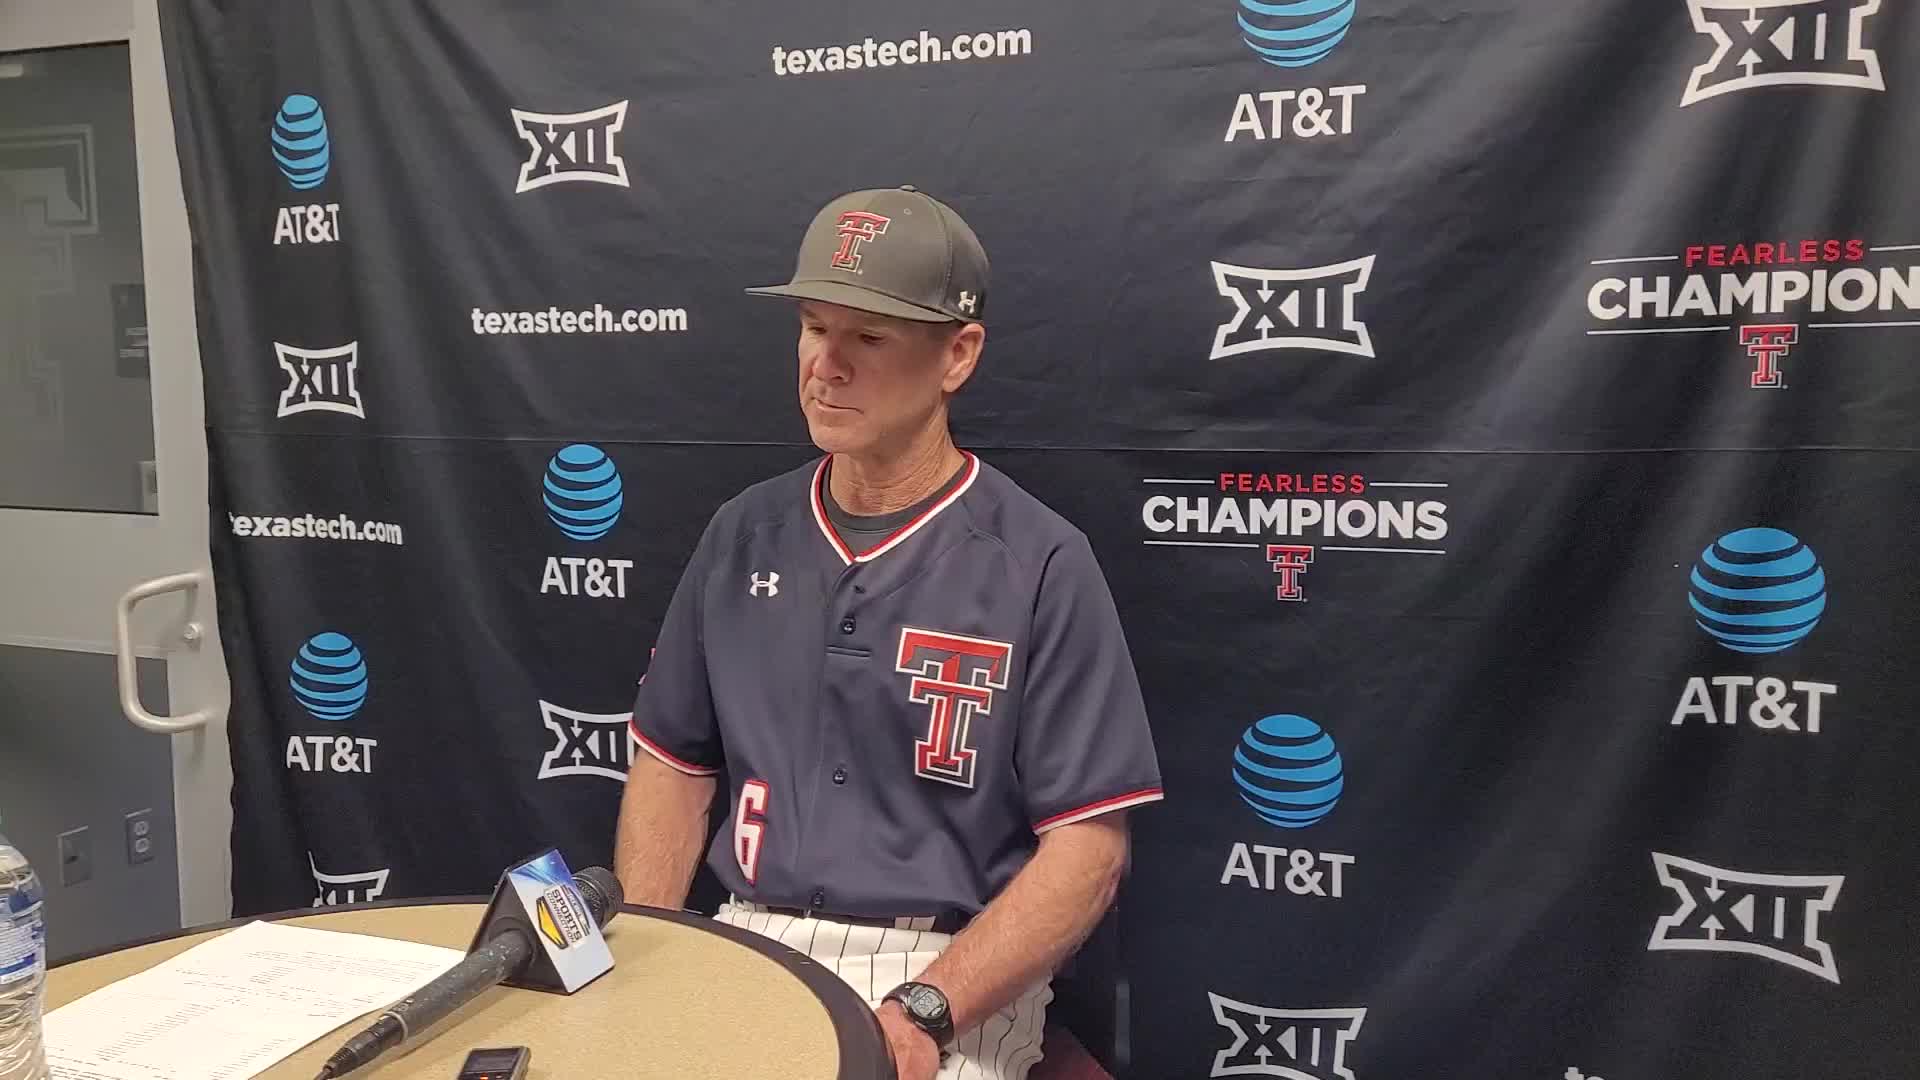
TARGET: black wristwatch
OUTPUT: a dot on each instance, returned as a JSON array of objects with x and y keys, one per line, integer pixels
[{"x": 927, "y": 1007}]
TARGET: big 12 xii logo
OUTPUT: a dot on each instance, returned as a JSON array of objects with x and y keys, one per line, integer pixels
[
  {"x": 1760, "y": 43},
  {"x": 587, "y": 744},
  {"x": 1298, "y": 1044}
]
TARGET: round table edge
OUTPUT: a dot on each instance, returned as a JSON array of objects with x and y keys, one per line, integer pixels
[{"x": 846, "y": 1009}]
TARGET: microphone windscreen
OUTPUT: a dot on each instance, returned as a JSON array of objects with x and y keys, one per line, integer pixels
[{"x": 602, "y": 892}]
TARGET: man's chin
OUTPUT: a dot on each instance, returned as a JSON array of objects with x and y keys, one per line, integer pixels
[{"x": 834, "y": 438}]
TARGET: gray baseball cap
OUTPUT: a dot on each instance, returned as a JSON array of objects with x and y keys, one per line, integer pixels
[{"x": 891, "y": 251}]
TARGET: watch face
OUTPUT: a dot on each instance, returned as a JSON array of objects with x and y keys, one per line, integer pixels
[{"x": 926, "y": 1003}]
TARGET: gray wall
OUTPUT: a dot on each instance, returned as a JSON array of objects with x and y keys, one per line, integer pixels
[{"x": 68, "y": 758}]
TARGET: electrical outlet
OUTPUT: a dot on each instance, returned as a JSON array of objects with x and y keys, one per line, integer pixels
[
  {"x": 140, "y": 837},
  {"x": 76, "y": 856}
]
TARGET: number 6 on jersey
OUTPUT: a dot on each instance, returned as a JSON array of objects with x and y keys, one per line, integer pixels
[{"x": 749, "y": 825}]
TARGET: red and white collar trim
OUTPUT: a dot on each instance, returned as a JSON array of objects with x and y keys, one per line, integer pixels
[{"x": 898, "y": 536}]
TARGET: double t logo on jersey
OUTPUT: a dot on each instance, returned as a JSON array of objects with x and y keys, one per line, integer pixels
[
  {"x": 955, "y": 677},
  {"x": 565, "y": 147},
  {"x": 1293, "y": 309},
  {"x": 1299, "y": 1044},
  {"x": 1775, "y": 916},
  {"x": 1783, "y": 43}
]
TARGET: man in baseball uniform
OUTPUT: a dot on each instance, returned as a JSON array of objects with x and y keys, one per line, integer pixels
[{"x": 910, "y": 671}]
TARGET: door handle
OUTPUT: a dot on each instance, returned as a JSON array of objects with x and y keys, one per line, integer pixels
[{"x": 123, "y": 653}]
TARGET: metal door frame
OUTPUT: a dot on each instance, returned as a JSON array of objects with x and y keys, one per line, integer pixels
[{"x": 66, "y": 571}]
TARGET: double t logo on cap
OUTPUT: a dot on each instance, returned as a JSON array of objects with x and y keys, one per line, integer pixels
[{"x": 856, "y": 228}]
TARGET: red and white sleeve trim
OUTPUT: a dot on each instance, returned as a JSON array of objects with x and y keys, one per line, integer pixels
[
  {"x": 1104, "y": 806},
  {"x": 665, "y": 758}
]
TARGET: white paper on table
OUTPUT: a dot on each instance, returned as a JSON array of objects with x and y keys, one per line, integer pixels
[{"x": 229, "y": 1008}]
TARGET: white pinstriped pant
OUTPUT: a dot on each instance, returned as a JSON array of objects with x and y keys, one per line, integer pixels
[{"x": 874, "y": 960}]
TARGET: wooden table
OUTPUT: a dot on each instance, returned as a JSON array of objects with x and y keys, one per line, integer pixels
[{"x": 688, "y": 999}]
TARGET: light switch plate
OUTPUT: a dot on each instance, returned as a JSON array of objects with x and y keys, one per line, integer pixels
[{"x": 76, "y": 856}]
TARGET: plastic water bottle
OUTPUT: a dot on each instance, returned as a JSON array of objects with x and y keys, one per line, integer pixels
[{"x": 23, "y": 967}]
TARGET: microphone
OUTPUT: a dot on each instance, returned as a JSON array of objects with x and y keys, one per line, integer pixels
[{"x": 502, "y": 958}]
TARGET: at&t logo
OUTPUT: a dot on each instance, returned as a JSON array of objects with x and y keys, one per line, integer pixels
[
  {"x": 329, "y": 680},
  {"x": 1772, "y": 916},
  {"x": 1299, "y": 1044},
  {"x": 1288, "y": 771},
  {"x": 304, "y": 154},
  {"x": 1294, "y": 35},
  {"x": 1782, "y": 43},
  {"x": 583, "y": 496},
  {"x": 587, "y": 744},
  {"x": 1756, "y": 591},
  {"x": 359, "y": 888},
  {"x": 568, "y": 147}
]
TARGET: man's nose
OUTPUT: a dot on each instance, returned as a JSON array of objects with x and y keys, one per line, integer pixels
[{"x": 827, "y": 364}]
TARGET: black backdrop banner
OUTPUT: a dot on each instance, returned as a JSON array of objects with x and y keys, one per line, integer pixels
[{"x": 1494, "y": 419}]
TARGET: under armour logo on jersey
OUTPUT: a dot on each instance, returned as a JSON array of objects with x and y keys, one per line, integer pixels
[
  {"x": 955, "y": 677},
  {"x": 1301, "y": 1044},
  {"x": 856, "y": 228},
  {"x": 571, "y": 146},
  {"x": 320, "y": 380},
  {"x": 587, "y": 744},
  {"x": 1783, "y": 43},
  {"x": 1293, "y": 309},
  {"x": 1776, "y": 916},
  {"x": 346, "y": 888},
  {"x": 767, "y": 584}
]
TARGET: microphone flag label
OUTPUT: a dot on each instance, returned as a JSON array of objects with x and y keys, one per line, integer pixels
[{"x": 544, "y": 889}]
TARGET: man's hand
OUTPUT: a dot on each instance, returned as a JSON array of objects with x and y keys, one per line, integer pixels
[
  {"x": 1036, "y": 922},
  {"x": 915, "y": 1056}
]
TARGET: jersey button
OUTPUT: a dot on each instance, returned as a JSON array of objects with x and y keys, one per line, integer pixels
[
  {"x": 839, "y": 776},
  {"x": 846, "y": 625},
  {"x": 819, "y": 898}
]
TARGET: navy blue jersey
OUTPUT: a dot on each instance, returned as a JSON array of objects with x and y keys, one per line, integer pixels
[{"x": 898, "y": 725}]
